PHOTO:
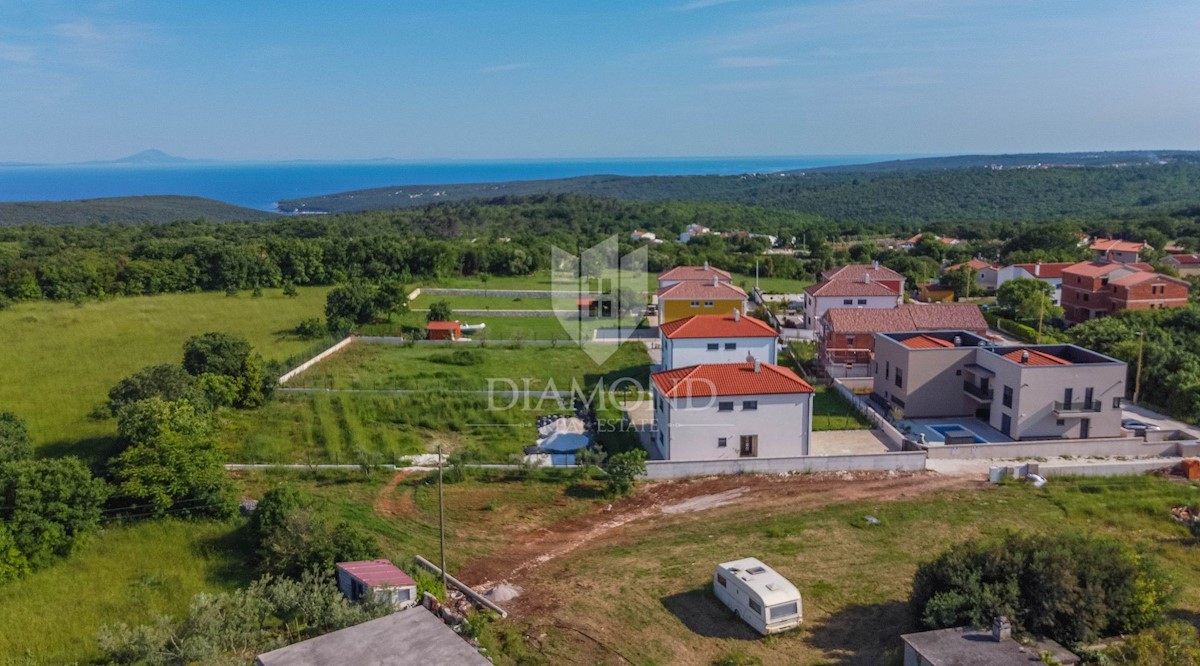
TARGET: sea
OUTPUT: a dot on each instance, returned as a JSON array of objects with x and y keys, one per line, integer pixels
[{"x": 261, "y": 184}]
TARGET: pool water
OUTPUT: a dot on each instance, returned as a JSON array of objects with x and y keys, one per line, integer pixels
[{"x": 942, "y": 429}]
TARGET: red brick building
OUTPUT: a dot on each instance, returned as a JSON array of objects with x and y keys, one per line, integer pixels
[
  {"x": 846, "y": 337},
  {"x": 1096, "y": 289}
]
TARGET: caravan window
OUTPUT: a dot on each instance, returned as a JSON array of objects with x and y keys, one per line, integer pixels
[
  {"x": 755, "y": 606},
  {"x": 784, "y": 611},
  {"x": 720, "y": 580}
]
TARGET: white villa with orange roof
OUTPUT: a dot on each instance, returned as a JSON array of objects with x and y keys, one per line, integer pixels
[
  {"x": 731, "y": 338},
  {"x": 1122, "y": 252},
  {"x": 853, "y": 286},
  {"x": 731, "y": 410}
]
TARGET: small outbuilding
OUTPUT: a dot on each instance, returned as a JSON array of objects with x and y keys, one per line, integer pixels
[
  {"x": 966, "y": 646},
  {"x": 443, "y": 330},
  {"x": 413, "y": 637},
  {"x": 372, "y": 579}
]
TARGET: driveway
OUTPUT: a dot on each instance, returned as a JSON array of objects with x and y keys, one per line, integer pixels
[
  {"x": 846, "y": 442},
  {"x": 1131, "y": 411}
]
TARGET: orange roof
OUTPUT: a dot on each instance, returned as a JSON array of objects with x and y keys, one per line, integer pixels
[
  {"x": 1098, "y": 268},
  {"x": 692, "y": 291},
  {"x": 1035, "y": 358},
  {"x": 926, "y": 342},
  {"x": 706, "y": 381},
  {"x": 717, "y": 326},
  {"x": 443, "y": 326},
  {"x": 1112, "y": 245},
  {"x": 694, "y": 273},
  {"x": 975, "y": 264},
  {"x": 858, "y": 273},
  {"x": 1045, "y": 270},
  {"x": 837, "y": 288},
  {"x": 1184, "y": 259},
  {"x": 907, "y": 317}
]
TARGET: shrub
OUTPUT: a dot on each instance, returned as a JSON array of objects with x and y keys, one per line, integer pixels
[
  {"x": 167, "y": 381},
  {"x": 463, "y": 357},
  {"x": 15, "y": 443},
  {"x": 47, "y": 507},
  {"x": 293, "y": 538},
  {"x": 1172, "y": 644},
  {"x": 311, "y": 329},
  {"x": 623, "y": 469},
  {"x": 1070, "y": 587}
]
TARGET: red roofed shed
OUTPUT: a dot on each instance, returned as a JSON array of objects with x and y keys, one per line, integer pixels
[
  {"x": 366, "y": 579},
  {"x": 443, "y": 330}
]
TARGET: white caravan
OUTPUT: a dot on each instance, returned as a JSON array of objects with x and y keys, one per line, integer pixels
[{"x": 758, "y": 595}]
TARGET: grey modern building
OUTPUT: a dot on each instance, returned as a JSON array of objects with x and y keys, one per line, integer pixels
[{"x": 1024, "y": 391}]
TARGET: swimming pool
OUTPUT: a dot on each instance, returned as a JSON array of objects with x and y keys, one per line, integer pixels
[{"x": 942, "y": 429}]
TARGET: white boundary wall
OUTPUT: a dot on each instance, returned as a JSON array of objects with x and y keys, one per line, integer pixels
[
  {"x": 1055, "y": 448},
  {"x": 908, "y": 461},
  {"x": 316, "y": 359}
]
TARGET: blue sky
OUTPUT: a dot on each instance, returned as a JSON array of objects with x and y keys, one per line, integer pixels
[{"x": 276, "y": 79}]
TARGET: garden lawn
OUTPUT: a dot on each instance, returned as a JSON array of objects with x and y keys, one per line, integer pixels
[
  {"x": 430, "y": 367},
  {"x": 498, "y": 328},
  {"x": 59, "y": 360},
  {"x": 771, "y": 285},
  {"x": 832, "y": 412},
  {"x": 125, "y": 574},
  {"x": 423, "y": 302}
]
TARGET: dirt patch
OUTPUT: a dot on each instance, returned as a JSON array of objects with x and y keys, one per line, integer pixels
[
  {"x": 705, "y": 501},
  {"x": 388, "y": 503}
]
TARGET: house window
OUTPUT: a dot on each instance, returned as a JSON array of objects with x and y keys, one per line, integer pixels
[
  {"x": 1060, "y": 422},
  {"x": 708, "y": 304},
  {"x": 1007, "y": 396},
  {"x": 849, "y": 340},
  {"x": 1085, "y": 296},
  {"x": 899, "y": 378},
  {"x": 848, "y": 301},
  {"x": 887, "y": 369},
  {"x": 725, "y": 406},
  {"x": 862, "y": 301},
  {"x": 730, "y": 346},
  {"x": 722, "y": 442},
  {"x": 695, "y": 304},
  {"x": 748, "y": 446},
  {"x": 749, "y": 405},
  {"x": 1117, "y": 402},
  {"x": 714, "y": 346}
]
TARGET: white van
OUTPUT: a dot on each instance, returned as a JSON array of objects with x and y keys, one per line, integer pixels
[{"x": 758, "y": 595}]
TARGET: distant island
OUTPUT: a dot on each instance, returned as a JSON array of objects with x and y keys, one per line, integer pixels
[{"x": 113, "y": 210}]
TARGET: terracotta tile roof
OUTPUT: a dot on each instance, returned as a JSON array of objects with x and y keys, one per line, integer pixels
[
  {"x": 692, "y": 291},
  {"x": 926, "y": 342},
  {"x": 443, "y": 326},
  {"x": 377, "y": 572},
  {"x": 907, "y": 317},
  {"x": 694, "y": 273},
  {"x": 858, "y": 273},
  {"x": 1035, "y": 358},
  {"x": 717, "y": 326},
  {"x": 975, "y": 264},
  {"x": 1184, "y": 259},
  {"x": 1048, "y": 270},
  {"x": 849, "y": 288},
  {"x": 1112, "y": 245},
  {"x": 1145, "y": 276},
  {"x": 711, "y": 380},
  {"x": 1099, "y": 268}
]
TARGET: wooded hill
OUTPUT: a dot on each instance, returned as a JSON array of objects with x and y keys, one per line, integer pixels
[
  {"x": 942, "y": 190},
  {"x": 125, "y": 210}
]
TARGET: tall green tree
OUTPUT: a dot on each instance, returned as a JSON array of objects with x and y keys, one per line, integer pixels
[
  {"x": 1027, "y": 299},
  {"x": 48, "y": 507},
  {"x": 167, "y": 381},
  {"x": 350, "y": 304},
  {"x": 15, "y": 443},
  {"x": 439, "y": 311}
]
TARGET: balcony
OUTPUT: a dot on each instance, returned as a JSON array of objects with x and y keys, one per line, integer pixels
[
  {"x": 1076, "y": 407},
  {"x": 978, "y": 392}
]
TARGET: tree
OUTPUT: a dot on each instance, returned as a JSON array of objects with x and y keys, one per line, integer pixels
[
  {"x": 961, "y": 280},
  {"x": 172, "y": 463},
  {"x": 48, "y": 507},
  {"x": 167, "y": 381},
  {"x": 15, "y": 443},
  {"x": 391, "y": 298},
  {"x": 293, "y": 537},
  {"x": 350, "y": 304},
  {"x": 439, "y": 311},
  {"x": 1073, "y": 588},
  {"x": 623, "y": 469},
  {"x": 1027, "y": 299},
  {"x": 218, "y": 353},
  {"x": 1172, "y": 644},
  {"x": 289, "y": 289}
]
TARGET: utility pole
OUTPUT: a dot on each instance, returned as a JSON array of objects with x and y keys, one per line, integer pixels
[
  {"x": 756, "y": 274},
  {"x": 442, "y": 526},
  {"x": 1137, "y": 380},
  {"x": 1041, "y": 315}
]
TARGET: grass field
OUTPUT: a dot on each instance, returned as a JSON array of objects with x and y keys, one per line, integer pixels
[
  {"x": 125, "y": 574},
  {"x": 498, "y": 328},
  {"x": 832, "y": 412},
  {"x": 423, "y": 302},
  {"x": 538, "y": 281},
  {"x": 431, "y": 367},
  {"x": 770, "y": 285},
  {"x": 59, "y": 360}
]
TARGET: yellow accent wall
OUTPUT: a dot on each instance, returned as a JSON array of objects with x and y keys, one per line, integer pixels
[{"x": 673, "y": 309}]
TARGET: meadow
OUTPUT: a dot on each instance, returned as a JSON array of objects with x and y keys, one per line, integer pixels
[
  {"x": 498, "y": 328},
  {"x": 770, "y": 285},
  {"x": 483, "y": 302},
  {"x": 60, "y": 360}
]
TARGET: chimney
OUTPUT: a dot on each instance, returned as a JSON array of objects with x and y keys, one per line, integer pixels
[
  {"x": 757, "y": 365},
  {"x": 706, "y": 264},
  {"x": 867, "y": 278},
  {"x": 749, "y": 357},
  {"x": 958, "y": 341},
  {"x": 714, "y": 280},
  {"x": 737, "y": 314},
  {"x": 875, "y": 265},
  {"x": 1037, "y": 269},
  {"x": 1001, "y": 629},
  {"x": 1024, "y": 355}
]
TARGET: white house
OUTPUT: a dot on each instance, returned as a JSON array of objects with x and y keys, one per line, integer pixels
[
  {"x": 854, "y": 286},
  {"x": 1050, "y": 273},
  {"x": 692, "y": 231},
  {"x": 730, "y": 338},
  {"x": 731, "y": 410}
]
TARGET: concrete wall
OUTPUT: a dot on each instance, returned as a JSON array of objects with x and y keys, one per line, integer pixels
[
  {"x": 910, "y": 461},
  {"x": 1120, "y": 468},
  {"x": 693, "y": 427},
  {"x": 316, "y": 359},
  {"x": 1052, "y": 448},
  {"x": 892, "y": 436},
  {"x": 682, "y": 352},
  {"x": 678, "y": 308}
]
